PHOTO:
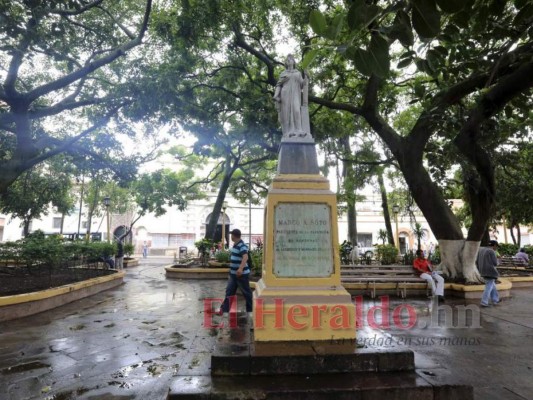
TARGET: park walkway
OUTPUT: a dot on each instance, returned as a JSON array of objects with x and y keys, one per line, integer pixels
[{"x": 130, "y": 342}]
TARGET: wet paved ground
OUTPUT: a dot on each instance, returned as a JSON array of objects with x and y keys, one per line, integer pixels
[{"x": 130, "y": 342}]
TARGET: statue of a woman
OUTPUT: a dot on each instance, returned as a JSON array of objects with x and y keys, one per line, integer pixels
[{"x": 291, "y": 101}]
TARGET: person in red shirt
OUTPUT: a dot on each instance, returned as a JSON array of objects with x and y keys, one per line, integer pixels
[{"x": 425, "y": 270}]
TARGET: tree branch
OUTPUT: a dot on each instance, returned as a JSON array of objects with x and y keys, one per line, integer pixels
[
  {"x": 75, "y": 12},
  {"x": 92, "y": 66},
  {"x": 9, "y": 90},
  {"x": 240, "y": 42},
  {"x": 335, "y": 105},
  {"x": 67, "y": 144},
  {"x": 119, "y": 24},
  {"x": 424, "y": 126},
  {"x": 208, "y": 180},
  {"x": 388, "y": 161},
  {"x": 468, "y": 140},
  {"x": 371, "y": 114},
  {"x": 62, "y": 106}
]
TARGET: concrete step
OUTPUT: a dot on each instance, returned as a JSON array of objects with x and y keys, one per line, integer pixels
[
  {"x": 236, "y": 353},
  {"x": 354, "y": 386},
  {"x": 298, "y": 360}
]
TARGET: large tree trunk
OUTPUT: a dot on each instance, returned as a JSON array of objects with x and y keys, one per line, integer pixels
[
  {"x": 349, "y": 188},
  {"x": 385, "y": 207},
  {"x": 457, "y": 255},
  {"x": 62, "y": 223},
  {"x": 512, "y": 234},
  {"x": 352, "y": 224},
  {"x": 90, "y": 213},
  {"x": 229, "y": 170},
  {"x": 26, "y": 227}
]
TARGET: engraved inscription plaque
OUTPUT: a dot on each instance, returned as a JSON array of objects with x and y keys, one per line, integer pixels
[{"x": 302, "y": 240}]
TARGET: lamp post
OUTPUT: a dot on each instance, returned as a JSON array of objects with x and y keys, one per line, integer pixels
[
  {"x": 396, "y": 210},
  {"x": 107, "y": 202},
  {"x": 224, "y": 206},
  {"x": 250, "y": 218}
]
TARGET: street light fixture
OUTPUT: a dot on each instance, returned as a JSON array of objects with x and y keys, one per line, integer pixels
[
  {"x": 107, "y": 202},
  {"x": 224, "y": 206},
  {"x": 396, "y": 210}
]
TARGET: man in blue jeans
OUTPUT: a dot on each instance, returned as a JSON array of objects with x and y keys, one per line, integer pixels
[
  {"x": 486, "y": 263},
  {"x": 239, "y": 276}
]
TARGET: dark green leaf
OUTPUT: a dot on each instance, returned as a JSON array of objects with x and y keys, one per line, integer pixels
[
  {"x": 419, "y": 89},
  {"x": 408, "y": 54},
  {"x": 451, "y": 6},
  {"x": 362, "y": 62},
  {"x": 426, "y": 18},
  {"x": 308, "y": 58},
  {"x": 434, "y": 59},
  {"x": 335, "y": 28},
  {"x": 497, "y": 7},
  {"x": 443, "y": 51},
  {"x": 379, "y": 53},
  {"x": 422, "y": 65},
  {"x": 317, "y": 22},
  {"x": 402, "y": 29},
  {"x": 524, "y": 14},
  {"x": 350, "y": 52},
  {"x": 404, "y": 63},
  {"x": 360, "y": 15},
  {"x": 462, "y": 18}
]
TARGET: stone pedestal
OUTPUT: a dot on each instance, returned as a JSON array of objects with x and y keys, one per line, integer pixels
[{"x": 300, "y": 296}]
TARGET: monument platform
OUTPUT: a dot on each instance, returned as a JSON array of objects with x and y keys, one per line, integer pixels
[{"x": 242, "y": 369}]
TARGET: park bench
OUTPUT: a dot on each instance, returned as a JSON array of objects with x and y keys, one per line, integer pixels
[
  {"x": 402, "y": 276},
  {"x": 506, "y": 261}
]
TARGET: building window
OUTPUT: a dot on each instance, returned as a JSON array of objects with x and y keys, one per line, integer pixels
[
  {"x": 57, "y": 223},
  {"x": 159, "y": 240},
  {"x": 364, "y": 239},
  {"x": 84, "y": 225}
]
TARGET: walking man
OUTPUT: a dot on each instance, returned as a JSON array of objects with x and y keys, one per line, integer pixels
[
  {"x": 486, "y": 263},
  {"x": 239, "y": 276}
]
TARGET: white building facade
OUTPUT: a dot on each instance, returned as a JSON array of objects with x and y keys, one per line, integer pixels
[{"x": 165, "y": 235}]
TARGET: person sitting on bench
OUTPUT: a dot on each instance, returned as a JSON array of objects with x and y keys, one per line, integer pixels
[
  {"x": 425, "y": 270},
  {"x": 522, "y": 256}
]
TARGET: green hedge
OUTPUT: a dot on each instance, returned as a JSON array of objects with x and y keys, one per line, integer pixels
[{"x": 38, "y": 249}]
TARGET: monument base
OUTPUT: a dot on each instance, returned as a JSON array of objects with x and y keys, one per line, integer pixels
[
  {"x": 242, "y": 368},
  {"x": 303, "y": 314}
]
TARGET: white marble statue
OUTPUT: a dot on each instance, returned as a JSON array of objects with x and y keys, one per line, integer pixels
[{"x": 291, "y": 97}]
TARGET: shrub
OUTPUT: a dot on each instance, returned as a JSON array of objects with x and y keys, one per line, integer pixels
[
  {"x": 386, "y": 253},
  {"x": 259, "y": 244},
  {"x": 434, "y": 257},
  {"x": 204, "y": 247},
  {"x": 39, "y": 249},
  {"x": 52, "y": 251},
  {"x": 345, "y": 249},
  {"x": 257, "y": 261},
  {"x": 10, "y": 251},
  {"x": 507, "y": 249},
  {"x": 409, "y": 257},
  {"x": 128, "y": 249},
  {"x": 223, "y": 256}
]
